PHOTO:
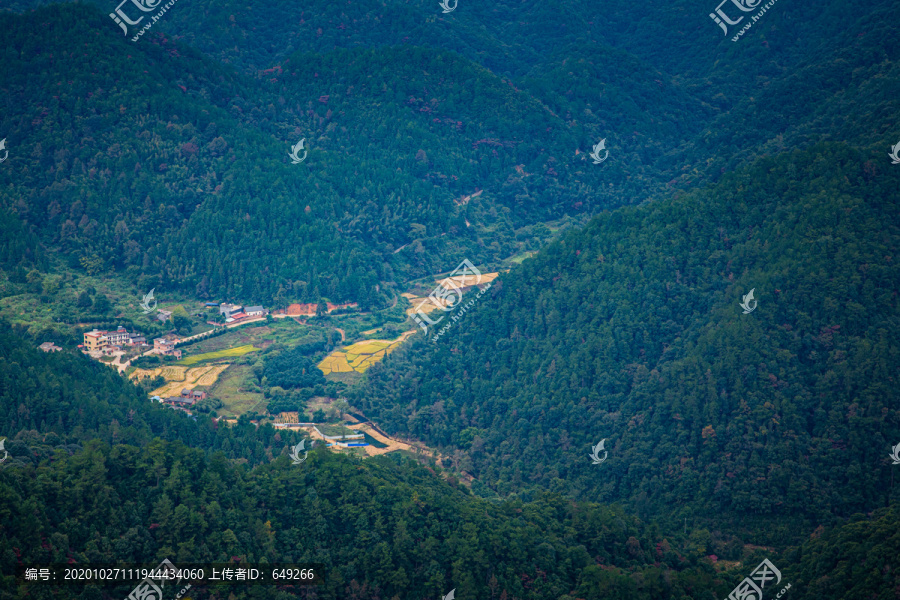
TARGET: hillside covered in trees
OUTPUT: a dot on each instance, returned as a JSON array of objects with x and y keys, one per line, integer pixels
[
  {"x": 154, "y": 162},
  {"x": 381, "y": 528},
  {"x": 631, "y": 330}
]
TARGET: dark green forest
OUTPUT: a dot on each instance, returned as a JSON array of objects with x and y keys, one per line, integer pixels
[
  {"x": 211, "y": 204},
  {"x": 157, "y": 163},
  {"x": 92, "y": 477}
]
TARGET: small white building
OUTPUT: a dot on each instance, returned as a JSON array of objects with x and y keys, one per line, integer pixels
[{"x": 227, "y": 309}]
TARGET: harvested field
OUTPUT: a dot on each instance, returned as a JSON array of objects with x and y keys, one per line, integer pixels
[
  {"x": 424, "y": 305},
  {"x": 170, "y": 373},
  {"x": 177, "y": 378},
  {"x": 211, "y": 375},
  {"x": 464, "y": 281},
  {"x": 429, "y": 304},
  {"x": 335, "y": 363}
]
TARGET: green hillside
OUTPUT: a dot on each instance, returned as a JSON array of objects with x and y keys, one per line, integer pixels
[
  {"x": 153, "y": 163},
  {"x": 77, "y": 489},
  {"x": 773, "y": 422},
  {"x": 90, "y": 477}
]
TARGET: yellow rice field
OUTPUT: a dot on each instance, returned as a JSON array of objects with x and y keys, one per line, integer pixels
[{"x": 361, "y": 355}]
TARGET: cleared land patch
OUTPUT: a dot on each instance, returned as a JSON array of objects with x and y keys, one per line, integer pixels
[
  {"x": 388, "y": 444},
  {"x": 429, "y": 304}
]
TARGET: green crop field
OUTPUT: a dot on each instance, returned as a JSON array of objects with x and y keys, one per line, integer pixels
[{"x": 229, "y": 353}]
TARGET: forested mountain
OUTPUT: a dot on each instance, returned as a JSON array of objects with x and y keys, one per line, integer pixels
[
  {"x": 631, "y": 330},
  {"x": 852, "y": 561},
  {"x": 153, "y": 161},
  {"x": 733, "y": 432},
  {"x": 86, "y": 481},
  {"x": 381, "y": 528}
]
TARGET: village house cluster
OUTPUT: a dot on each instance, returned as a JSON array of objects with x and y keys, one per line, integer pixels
[
  {"x": 107, "y": 342},
  {"x": 103, "y": 342}
]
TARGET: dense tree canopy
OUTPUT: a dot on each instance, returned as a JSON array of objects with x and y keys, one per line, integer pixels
[{"x": 631, "y": 330}]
